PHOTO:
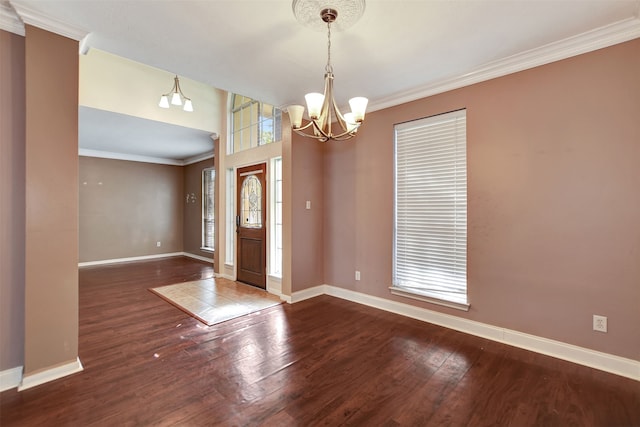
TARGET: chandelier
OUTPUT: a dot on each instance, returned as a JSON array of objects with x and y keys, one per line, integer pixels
[
  {"x": 322, "y": 108},
  {"x": 177, "y": 97}
]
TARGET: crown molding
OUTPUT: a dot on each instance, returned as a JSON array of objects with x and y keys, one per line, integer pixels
[
  {"x": 609, "y": 35},
  {"x": 84, "y": 152},
  {"x": 198, "y": 158},
  {"x": 10, "y": 21},
  {"x": 130, "y": 157},
  {"x": 37, "y": 19}
]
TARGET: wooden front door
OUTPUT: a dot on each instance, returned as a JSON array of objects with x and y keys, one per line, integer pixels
[{"x": 251, "y": 225}]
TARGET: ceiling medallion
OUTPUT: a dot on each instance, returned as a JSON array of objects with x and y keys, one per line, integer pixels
[{"x": 306, "y": 12}]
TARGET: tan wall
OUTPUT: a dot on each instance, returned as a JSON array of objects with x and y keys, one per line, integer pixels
[
  {"x": 553, "y": 200},
  {"x": 51, "y": 244},
  {"x": 12, "y": 199},
  {"x": 192, "y": 224},
  {"x": 127, "y": 207}
]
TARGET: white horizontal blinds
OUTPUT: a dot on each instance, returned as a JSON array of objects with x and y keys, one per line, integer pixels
[
  {"x": 430, "y": 244},
  {"x": 208, "y": 187}
]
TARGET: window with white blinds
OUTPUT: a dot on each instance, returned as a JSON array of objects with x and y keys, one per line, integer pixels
[
  {"x": 208, "y": 191},
  {"x": 430, "y": 236}
]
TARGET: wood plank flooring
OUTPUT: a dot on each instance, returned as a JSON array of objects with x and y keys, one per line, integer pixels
[{"x": 323, "y": 361}]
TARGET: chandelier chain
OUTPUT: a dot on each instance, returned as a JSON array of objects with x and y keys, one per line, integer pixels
[{"x": 329, "y": 67}]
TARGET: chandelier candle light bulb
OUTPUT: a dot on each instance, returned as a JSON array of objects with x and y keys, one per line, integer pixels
[
  {"x": 322, "y": 108},
  {"x": 175, "y": 99},
  {"x": 314, "y": 104}
]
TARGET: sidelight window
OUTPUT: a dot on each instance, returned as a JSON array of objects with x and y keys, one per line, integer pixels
[{"x": 208, "y": 192}]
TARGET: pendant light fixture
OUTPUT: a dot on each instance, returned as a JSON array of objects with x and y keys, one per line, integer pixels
[
  {"x": 322, "y": 109},
  {"x": 177, "y": 97}
]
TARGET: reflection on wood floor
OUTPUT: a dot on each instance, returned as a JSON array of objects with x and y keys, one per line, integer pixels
[{"x": 323, "y": 361}]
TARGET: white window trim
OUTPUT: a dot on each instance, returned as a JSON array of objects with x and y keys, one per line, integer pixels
[{"x": 444, "y": 249}]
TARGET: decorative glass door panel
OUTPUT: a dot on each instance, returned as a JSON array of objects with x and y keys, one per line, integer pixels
[{"x": 251, "y": 202}]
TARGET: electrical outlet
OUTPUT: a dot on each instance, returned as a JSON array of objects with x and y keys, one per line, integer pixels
[
  {"x": 599, "y": 323},
  {"x": 158, "y": 244},
  {"x": 357, "y": 275}
]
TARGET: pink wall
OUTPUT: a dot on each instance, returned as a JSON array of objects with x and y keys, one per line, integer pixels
[
  {"x": 554, "y": 200},
  {"x": 307, "y": 239},
  {"x": 12, "y": 199}
]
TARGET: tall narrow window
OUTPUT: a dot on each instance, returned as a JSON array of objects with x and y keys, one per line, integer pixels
[
  {"x": 430, "y": 236},
  {"x": 231, "y": 224},
  {"x": 208, "y": 230},
  {"x": 275, "y": 256}
]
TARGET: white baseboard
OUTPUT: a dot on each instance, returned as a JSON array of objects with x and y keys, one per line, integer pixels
[
  {"x": 225, "y": 276},
  {"x": 583, "y": 356},
  {"x": 310, "y": 293},
  {"x": 129, "y": 259},
  {"x": 10, "y": 378},
  {"x": 198, "y": 257},
  {"x": 32, "y": 380},
  {"x": 143, "y": 258}
]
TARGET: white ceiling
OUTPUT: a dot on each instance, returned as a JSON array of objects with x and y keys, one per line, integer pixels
[
  {"x": 104, "y": 133},
  {"x": 399, "y": 50}
]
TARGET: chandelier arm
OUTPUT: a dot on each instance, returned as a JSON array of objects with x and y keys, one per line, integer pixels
[
  {"x": 346, "y": 134},
  {"x": 325, "y": 118},
  {"x": 323, "y": 137},
  {"x": 173, "y": 89},
  {"x": 323, "y": 134},
  {"x": 339, "y": 117},
  {"x": 178, "y": 88},
  {"x": 316, "y": 137},
  {"x": 307, "y": 126}
]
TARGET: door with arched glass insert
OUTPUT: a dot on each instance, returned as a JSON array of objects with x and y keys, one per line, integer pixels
[{"x": 251, "y": 225}]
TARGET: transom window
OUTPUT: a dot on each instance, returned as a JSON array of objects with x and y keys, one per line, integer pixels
[{"x": 253, "y": 123}]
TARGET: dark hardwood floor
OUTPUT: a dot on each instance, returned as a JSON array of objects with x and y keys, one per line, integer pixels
[{"x": 323, "y": 361}]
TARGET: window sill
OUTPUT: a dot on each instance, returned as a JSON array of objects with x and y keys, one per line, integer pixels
[
  {"x": 209, "y": 250},
  {"x": 433, "y": 300}
]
